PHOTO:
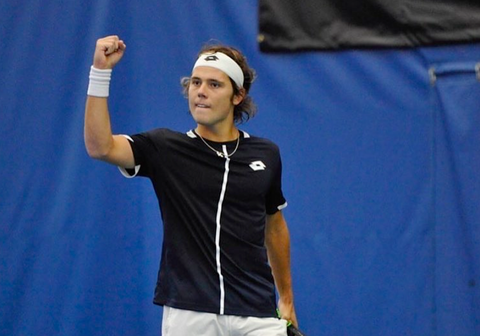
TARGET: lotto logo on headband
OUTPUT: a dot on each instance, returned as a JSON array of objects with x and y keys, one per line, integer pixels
[
  {"x": 211, "y": 58},
  {"x": 224, "y": 63}
]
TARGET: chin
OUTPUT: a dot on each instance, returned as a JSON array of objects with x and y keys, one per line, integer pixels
[
  {"x": 205, "y": 123},
  {"x": 201, "y": 121},
  {"x": 201, "y": 117}
]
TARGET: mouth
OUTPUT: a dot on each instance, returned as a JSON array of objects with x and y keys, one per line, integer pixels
[{"x": 202, "y": 105}]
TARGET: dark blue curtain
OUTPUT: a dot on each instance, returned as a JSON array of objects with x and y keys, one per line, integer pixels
[
  {"x": 286, "y": 25},
  {"x": 381, "y": 153}
]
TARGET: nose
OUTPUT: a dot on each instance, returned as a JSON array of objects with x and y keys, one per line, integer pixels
[{"x": 201, "y": 90}]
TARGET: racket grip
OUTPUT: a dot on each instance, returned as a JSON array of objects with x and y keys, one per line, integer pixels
[{"x": 292, "y": 331}]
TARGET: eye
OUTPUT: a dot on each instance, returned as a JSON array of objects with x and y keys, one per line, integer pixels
[
  {"x": 195, "y": 82},
  {"x": 215, "y": 85}
]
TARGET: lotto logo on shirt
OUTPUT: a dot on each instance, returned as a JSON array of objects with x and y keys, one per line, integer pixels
[{"x": 257, "y": 165}]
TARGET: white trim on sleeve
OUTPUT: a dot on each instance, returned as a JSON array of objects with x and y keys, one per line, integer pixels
[{"x": 124, "y": 170}]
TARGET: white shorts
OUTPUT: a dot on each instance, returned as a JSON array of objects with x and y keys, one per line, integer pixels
[{"x": 180, "y": 322}]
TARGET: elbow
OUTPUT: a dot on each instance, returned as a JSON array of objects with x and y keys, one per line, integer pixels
[{"x": 96, "y": 152}]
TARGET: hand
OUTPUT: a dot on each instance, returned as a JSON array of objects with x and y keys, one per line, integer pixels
[
  {"x": 108, "y": 52},
  {"x": 287, "y": 312}
]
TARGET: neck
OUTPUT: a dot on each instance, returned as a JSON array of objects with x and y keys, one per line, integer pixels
[{"x": 218, "y": 135}]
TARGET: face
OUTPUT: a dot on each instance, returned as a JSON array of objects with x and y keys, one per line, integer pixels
[{"x": 210, "y": 97}]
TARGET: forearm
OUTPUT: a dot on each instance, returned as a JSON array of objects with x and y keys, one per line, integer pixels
[
  {"x": 278, "y": 249},
  {"x": 277, "y": 241},
  {"x": 97, "y": 132}
]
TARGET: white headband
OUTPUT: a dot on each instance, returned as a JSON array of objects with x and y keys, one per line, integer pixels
[{"x": 224, "y": 63}]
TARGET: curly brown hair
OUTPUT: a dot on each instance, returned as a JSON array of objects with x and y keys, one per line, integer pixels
[{"x": 247, "y": 108}]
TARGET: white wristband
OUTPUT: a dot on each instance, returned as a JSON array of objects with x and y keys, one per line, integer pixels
[{"x": 99, "y": 83}]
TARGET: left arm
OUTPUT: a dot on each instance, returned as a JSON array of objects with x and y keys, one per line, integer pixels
[{"x": 277, "y": 241}]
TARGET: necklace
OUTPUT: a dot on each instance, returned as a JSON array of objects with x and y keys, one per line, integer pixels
[{"x": 222, "y": 155}]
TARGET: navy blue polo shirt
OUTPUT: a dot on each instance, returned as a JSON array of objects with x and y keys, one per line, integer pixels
[{"x": 213, "y": 210}]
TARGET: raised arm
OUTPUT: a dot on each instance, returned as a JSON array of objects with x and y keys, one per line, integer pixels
[
  {"x": 100, "y": 143},
  {"x": 277, "y": 241}
]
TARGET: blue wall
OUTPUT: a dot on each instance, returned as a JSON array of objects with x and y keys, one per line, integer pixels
[{"x": 381, "y": 172}]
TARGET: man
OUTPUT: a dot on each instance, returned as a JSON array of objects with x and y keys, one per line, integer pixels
[{"x": 226, "y": 243}]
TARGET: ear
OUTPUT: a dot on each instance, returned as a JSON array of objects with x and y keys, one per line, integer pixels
[{"x": 238, "y": 98}]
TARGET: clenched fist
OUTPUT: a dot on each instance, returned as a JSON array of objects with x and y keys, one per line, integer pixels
[{"x": 108, "y": 52}]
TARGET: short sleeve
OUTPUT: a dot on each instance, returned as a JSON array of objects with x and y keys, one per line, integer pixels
[
  {"x": 275, "y": 200},
  {"x": 145, "y": 147}
]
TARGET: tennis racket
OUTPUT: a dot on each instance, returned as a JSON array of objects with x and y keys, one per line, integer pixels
[{"x": 292, "y": 331}]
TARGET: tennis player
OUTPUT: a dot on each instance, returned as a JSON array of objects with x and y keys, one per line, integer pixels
[{"x": 226, "y": 243}]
